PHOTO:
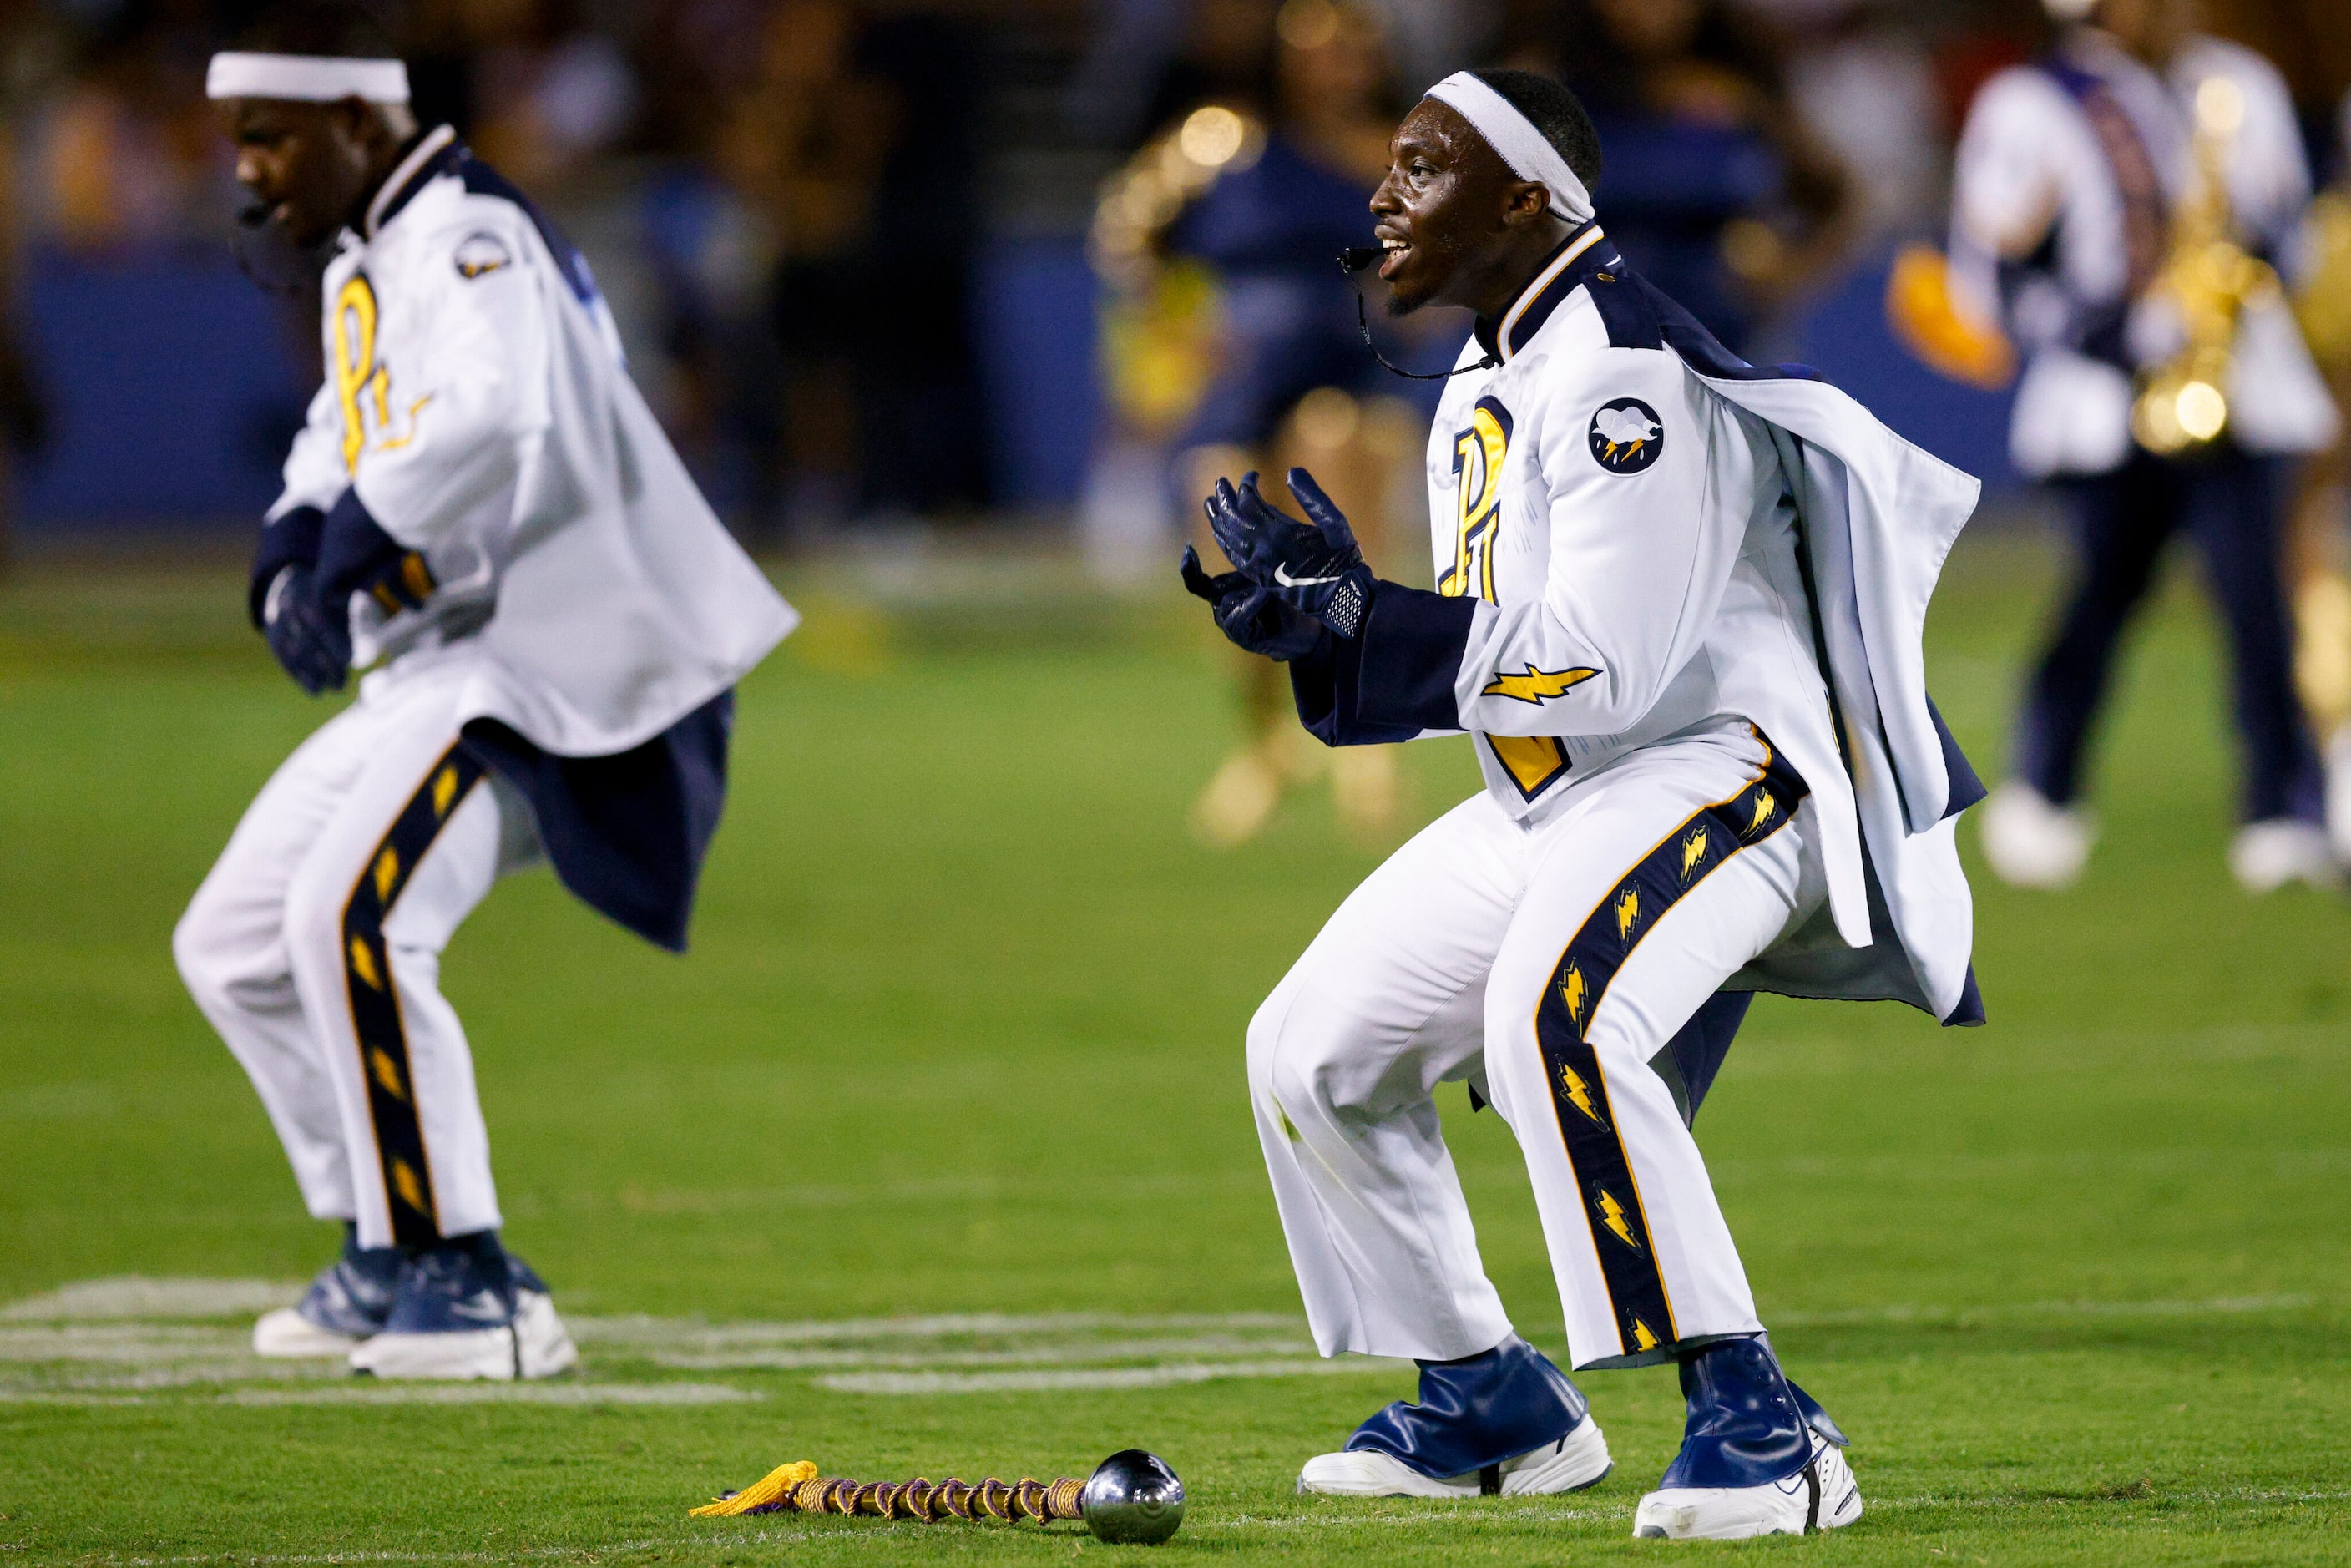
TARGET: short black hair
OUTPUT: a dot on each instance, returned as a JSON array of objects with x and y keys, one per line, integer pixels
[
  {"x": 338, "y": 29},
  {"x": 1552, "y": 109}
]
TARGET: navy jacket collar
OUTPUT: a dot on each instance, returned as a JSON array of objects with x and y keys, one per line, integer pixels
[
  {"x": 436, "y": 152},
  {"x": 1584, "y": 251}
]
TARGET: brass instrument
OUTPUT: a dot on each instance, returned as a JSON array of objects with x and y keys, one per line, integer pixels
[
  {"x": 2321, "y": 584},
  {"x": 2324, "y": 307},
  {"x": 2211, "y": 280},
  {"x": 1159, "y": 323}
]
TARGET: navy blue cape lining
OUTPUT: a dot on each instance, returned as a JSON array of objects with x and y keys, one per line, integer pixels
[{"x": 626, "y": 833}]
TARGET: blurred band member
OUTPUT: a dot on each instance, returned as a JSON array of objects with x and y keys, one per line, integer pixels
[
  {"x": 2320, "y": 554},
  {"x": 1717, "y": 192},
  {"x": 1295, "y": 386},
  {"x": 1260, "y": 361},
  {"x": 2077, "y": 179}
]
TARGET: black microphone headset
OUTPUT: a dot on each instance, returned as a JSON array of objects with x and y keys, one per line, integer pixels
[{"x": 1354, "y": 259}]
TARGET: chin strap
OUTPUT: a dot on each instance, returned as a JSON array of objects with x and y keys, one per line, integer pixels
[{"x": 1354, "y": 259}]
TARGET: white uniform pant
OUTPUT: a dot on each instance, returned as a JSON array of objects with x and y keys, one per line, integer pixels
[
  {"x": 314, "y": 946},
  {"x": 1557, "y": 958}
]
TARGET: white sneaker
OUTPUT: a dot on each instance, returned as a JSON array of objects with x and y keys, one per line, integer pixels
[
  {"x": 347, "y": 1301},
  {"x": 534, "y": 1345},
  {"x": 2338, "y": 793},
  {"x": 2031, "y": 842},
  {"x": 1821, "y": 1496},
  {"x": 2265, "y": 856},
  {"x": 286, "y": 1333},
  {"x": 1577, "y": 1460}
]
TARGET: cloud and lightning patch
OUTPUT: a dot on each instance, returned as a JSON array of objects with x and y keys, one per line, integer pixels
[
  {"x": 1626, "y": 435},
  {"x": 480, "y": 254}
]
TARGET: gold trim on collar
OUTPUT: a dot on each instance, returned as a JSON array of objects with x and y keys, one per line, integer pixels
[
  {"x": 1534, "y": 290},
  {"x": 397, "y": 180}
]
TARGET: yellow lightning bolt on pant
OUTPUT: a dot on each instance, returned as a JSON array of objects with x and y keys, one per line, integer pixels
[{"x": 1436, "y": 969}]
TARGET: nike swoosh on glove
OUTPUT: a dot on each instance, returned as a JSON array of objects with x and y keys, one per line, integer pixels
[
  {"x": 1314, "y": 566},
  {"x": 315, "y": 649},
  {"x": 1252, "y": 616}
]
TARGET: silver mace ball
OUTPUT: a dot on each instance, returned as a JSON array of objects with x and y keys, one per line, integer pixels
[{"x": 1133, "y": 1498}]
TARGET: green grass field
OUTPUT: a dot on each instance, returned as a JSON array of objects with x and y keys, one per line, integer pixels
[{"x": 933, "y": 1155}]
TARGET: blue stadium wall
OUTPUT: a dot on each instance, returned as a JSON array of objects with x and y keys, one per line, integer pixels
[{"x": 173, "y": 388}]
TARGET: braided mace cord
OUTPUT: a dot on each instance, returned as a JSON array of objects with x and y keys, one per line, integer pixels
[{"x": 922, "y": 1499}]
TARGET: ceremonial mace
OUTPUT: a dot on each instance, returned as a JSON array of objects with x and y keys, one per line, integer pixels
[{"x": 1133, "y": 1498}]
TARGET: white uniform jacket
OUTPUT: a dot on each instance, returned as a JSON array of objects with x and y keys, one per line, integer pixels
[
  {"x": 2038, "y": 155},
  {"x": 1637, "y": 533},
  {"x": 476, "y": 411}
]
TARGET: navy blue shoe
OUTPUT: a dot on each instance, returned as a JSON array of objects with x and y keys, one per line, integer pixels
[
  {"x": 1759, "y": 1457},
  {"x": 346, "y": 1303},
  {"x": 1507, "y": 1422},
  {"x": 466, "y": 1309}
]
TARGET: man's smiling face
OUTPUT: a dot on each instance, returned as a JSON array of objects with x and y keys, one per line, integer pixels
[{"x": 1441, "y": 209}]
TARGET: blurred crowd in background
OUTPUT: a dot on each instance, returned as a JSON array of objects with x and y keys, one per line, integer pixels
[
  {"x": 889, "y": 269},
  {"x": 882, "y": 260}
]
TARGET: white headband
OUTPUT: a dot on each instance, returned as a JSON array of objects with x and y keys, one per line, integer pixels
[
  {"x": 305, "y": 79},
  {"x": 1530, "y": 155}
]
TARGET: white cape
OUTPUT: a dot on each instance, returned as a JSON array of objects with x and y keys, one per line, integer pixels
[{"x": 1880, "y": 517}]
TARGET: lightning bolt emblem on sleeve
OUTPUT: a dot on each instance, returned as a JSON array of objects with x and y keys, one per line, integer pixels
[{"x": 1537, "y": 685}]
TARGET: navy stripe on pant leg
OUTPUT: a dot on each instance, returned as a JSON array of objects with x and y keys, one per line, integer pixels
[
  {"x": 1685, "y": 857},
  {"x": 375, "y": 1006}
]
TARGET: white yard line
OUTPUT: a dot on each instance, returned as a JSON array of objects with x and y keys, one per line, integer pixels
[
  {"x": 2224, "y": 1306},
  {"x": 107, "y": 1341},
  {"x": 356, "y": 1391},
  {"x": 302, "y": 1559},
  {"x": 360, "y": 1392},
  {"x": 125, "y": 1342},
  {"x": 135, "y": 1296},
  {"x": 1192, "y": 1348},
  {"x": 640, "y": 1329},
  {"x": 2160, "y": 1494},
  {"x": 917, "y": 1383}
]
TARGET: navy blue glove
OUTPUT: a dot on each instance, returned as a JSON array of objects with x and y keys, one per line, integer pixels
[
  {"x": 1315, "y": 567},
  {"x": 313, "y": 643},
  {"x": 1252, "y": 616}
]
